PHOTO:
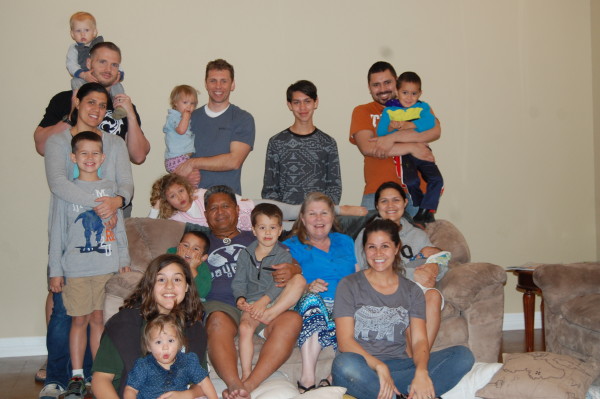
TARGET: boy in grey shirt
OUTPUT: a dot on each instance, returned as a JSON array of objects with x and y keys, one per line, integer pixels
[{"x": 87, "y": 251}]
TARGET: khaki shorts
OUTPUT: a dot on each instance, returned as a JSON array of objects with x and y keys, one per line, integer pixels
[
  {"x": 231, "y": 311},
  {"x": 83, "y": 295}
]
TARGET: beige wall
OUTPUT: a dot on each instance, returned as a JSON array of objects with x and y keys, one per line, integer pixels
[
  {"x": 595, "y": 18},
  {"x": 510, "y": 81}
]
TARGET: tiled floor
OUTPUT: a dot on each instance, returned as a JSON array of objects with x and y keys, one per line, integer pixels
[{"x": 16, "y": 373}]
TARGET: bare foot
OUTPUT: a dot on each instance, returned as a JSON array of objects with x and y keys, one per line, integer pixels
[
  {"x": 267, "y": 317},
  {"x": 236, "y": 394},
  {"x": 353, "y": 210}
]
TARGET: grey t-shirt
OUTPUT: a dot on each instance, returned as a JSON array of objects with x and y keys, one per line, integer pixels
[
  {"x": 213, "y": 136},
  {"x": 379, "y": 320}
]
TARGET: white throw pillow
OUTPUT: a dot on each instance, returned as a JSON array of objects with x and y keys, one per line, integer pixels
[
  {"x": 480, "y": 374},
  {"x": 323, "y": 393},
  {"x": 276, "y": 387}
]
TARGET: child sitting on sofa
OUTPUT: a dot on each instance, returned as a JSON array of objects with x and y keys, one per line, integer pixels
[{"x": 253, "y": 287}]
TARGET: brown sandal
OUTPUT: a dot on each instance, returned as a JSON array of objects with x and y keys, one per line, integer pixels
[{"x": 40, "y": 376}]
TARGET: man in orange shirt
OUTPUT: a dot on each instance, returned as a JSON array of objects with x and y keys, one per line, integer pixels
[{"x": 378, "y": 151}]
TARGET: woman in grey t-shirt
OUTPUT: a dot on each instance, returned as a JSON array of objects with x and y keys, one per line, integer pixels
[{"x": 372, "y": 310}]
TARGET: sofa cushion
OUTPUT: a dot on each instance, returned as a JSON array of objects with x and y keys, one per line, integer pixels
[
  {"x": 446, "y": 236},
  {"x": 540, "y": 375},
  {"x": 583, "y": 311},
  {"x": 148, "y": 238}
]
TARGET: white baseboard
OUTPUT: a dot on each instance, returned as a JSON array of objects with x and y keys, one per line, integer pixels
[
  {"x": 515, "y": 321},
  {"x": 36, "y": 346},
  {"x": 22, "y": 346}
]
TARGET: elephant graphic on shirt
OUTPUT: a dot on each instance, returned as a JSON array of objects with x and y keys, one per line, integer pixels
[{"x": 382, "y": 320}]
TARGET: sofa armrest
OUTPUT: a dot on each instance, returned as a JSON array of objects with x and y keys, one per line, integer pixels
[
  {"x": 560, "y": 283},
  {"x": 477, "y": 291}
]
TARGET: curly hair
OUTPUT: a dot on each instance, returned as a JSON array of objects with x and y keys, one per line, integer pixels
[
  {"x": 299, "y": 229},
  {"x": 143, "y": 295},
  {"x": 159, "y": 192}
]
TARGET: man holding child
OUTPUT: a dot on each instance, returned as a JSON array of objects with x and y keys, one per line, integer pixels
[
  {"x": 378, "y": 151},
  {"x": 224, "y": 133},
  {"x": 223, "y": 317}
]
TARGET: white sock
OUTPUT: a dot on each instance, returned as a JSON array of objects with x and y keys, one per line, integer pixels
[{"x": 77, "y": 373}]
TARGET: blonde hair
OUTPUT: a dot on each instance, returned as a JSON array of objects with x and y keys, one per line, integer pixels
[
  {"x": 159, "y": 192},
  {"x": 299, "y": 229},
  {"x": 81, "y": 16},
  {"x": 183, "y": 90}
]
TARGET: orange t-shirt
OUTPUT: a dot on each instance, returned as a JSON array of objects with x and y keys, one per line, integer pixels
[{"x": 376, "y": 171}]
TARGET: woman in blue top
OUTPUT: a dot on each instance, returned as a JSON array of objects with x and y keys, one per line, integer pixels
[{"x": 325, "y": 257}]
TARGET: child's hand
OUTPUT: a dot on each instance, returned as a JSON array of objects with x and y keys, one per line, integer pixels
[
  {"x": 56, "y": 284},
  {"x": 88, "y": 77},
  {"x": 242, "y": 304},
  {"x": 395, "y": 125},
  {"x": 125, "y": 269},
  {"x": 156, "y": 204},
  {"x": 259, "y": 307},
  {"x": 111, "y": 223}
]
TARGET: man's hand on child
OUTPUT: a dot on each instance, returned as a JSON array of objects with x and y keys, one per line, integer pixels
[
  {"x": 186, "y": 170},
  {"x": 125, "y": 269},
  {"x": 381, "y": 145},
  {"x": 56, "y": 284},
  {"x": 422, "y": 151}
]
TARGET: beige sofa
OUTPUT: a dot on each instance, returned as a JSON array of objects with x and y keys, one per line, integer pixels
[
  {"x": 473, "y": 292},
  {"x": 571, "y": 308}
]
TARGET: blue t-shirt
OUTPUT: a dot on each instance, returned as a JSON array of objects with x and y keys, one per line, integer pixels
[
  {"x": 330, "y": 266},
  {"x": 151, "y": 380},
  {"x": 222, "y": 262}
]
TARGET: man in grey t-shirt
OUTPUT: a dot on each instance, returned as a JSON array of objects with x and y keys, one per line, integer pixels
[{"x": 224, "y": 134}]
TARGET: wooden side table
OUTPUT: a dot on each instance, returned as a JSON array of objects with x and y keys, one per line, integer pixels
[{"x": 525, "y": 283}]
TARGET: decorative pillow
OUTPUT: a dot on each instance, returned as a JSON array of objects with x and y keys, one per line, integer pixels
[
  {"x": 480, "y": 374},
  {"x": 275, "y": 388},
  {"x": 540, "y": 375},
  {"x": 323, "y": 393}
]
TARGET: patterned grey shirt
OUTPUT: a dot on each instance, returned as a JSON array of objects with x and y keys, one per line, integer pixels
[{"x": 299, "y": 164}]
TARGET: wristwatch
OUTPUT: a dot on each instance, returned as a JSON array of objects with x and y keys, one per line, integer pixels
[{"x": 67, "y": 120}]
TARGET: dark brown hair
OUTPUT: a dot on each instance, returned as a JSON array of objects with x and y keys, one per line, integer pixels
[
  {"x": 219, "y": 65},
  {"x": 392, "y": 229},
  {"x": 269, "y": 210},
  {"x": 143, "y": 295}
]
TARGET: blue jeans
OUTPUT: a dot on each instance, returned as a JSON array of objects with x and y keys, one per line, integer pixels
[
  {"x": 446, "y": 368},
  {"x": 58, "y": 370},
  {"x": 432, "y": 176}
]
